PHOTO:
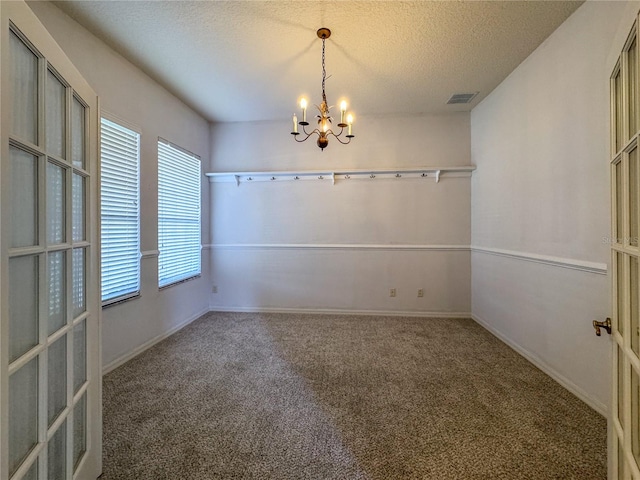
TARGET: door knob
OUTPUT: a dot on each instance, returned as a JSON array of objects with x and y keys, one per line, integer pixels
[{"x": 606, "y": 325}]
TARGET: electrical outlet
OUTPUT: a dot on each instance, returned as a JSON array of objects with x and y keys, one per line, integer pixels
[
  {"x": 214, "y": 289},
  {"x": 392, "y": 292},
  {"x": 421, "y": 292}
]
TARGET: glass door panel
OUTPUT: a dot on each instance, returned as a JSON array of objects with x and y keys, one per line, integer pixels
[
  {"x": 634, "y": 172},
  {"x": 619, "y": 223},
  {"x": 24, "y": 200},
  {"x": 23, "y": 305},
  {"x": 78, "y": 130},
  {"x": 57, "y": 454},
  {"x": 78, "y": 281},
  {"x": 79, "y": 356},
  {"x": 634, "y": 288},
  {"x": 617, "y": 94},
  {"x": 57, "y": 280},
  {"x": 79, "y": 431},
  {"x": 56, "y": 214},
  {"x": 620, "y": 383},
  {"x": 24, "y": 90},
  {"x": 56, "y": 107},
  {"x": 77, "y": 205},
  {"x": 620, "y": 292},
  {"x": 635, "y": 417},
  {"x": 57, "y": 381},
  {"x": 23, "y": 413},
  {"x": 632, "y": 87}
]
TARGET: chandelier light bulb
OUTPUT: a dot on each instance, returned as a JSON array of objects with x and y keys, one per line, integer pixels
[
  {"x": 350, "y": 123},
  {"x": 303, "y": 106}
]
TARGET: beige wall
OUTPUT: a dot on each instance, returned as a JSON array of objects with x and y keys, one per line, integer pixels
[
  {"x": 343, "y": 246},
  {"x": 126, "y": 92},
  {"x": 540, "y": 202}
]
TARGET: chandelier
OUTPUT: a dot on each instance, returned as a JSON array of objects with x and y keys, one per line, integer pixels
[{"x": 324, "y": 119}]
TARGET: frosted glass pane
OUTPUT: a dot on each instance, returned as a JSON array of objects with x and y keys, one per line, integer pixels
[
  {"x": 23, "y": 413},
  {"x": 23, "y": 305},
  {"x": 58, "y": 454},
  {"x": 57, "y": 386},
  {"x": 620, "y": 292},
  {"x": 24, "y": 85},
  {"x": 24, "y": 198},
  {"x": 79, "y": 431},
  {"x": 77, "y": 134},
  {"x": 56, "y": 114},
  {"x": 55, "y": 204},
  {"x": 635, "y": 307},
  {"x": 57, "y": 277},
  {"x": 78, "y": 280},
  {"x": 620, "y": 386},
  {"x": 633, "y": 87},
  {"x": 619, "y": 205},
  {"x": 633, "y": 198},
  {"x": 635, "y": 418},
  {"x": 77, "y": 207},
  {"x": 32, "y": 474},
  {"x": 79, "y": 356},
  {"x": 618, "y": 108}
]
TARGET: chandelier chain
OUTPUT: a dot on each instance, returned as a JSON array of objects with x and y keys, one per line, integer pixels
[{"x": 324, "y": 74}]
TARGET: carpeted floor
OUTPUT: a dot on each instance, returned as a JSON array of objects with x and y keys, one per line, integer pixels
[{"x": 274, "y": 396}]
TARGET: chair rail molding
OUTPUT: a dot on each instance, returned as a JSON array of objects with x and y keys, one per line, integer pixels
[
  {"x": 336, "y": 246},
  {"x": 588, "y": 267}
]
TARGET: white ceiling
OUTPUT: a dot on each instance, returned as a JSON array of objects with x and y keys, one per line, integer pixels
[{"x": 252, "y": 60}]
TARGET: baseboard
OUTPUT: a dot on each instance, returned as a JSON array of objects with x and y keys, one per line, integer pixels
[
  {"x": 546, "y": 368},
  {"x": 137, "y": 351},
  {"x": 339, "y": 311}
]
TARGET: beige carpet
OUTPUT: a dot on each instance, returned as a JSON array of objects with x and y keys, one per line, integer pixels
[{"x": 273, "y": 396}]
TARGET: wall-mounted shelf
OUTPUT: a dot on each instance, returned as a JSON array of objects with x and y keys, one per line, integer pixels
[{"x": 339, "y": 175}]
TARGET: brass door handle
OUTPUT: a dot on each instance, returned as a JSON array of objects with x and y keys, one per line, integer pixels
[{"x": 606, "y": 325}]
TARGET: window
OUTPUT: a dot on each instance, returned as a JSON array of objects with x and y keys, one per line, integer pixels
[
  {"x": 178, "y": 214},
  {"x": 120, "y": 192}
]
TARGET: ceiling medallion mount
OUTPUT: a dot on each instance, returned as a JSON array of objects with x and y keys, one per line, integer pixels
[
  {"x": 324, "y": 118},
  {"x": 323, "y": 33}
]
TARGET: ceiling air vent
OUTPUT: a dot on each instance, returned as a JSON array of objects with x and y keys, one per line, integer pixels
[{"x": 461, "y": 98}]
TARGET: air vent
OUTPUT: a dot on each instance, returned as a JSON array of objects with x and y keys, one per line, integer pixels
[{"x": 461, "y": 98}]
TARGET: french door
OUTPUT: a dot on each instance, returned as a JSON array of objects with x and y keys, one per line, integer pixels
[
  {"x": 50, "y": 420},
  {"x": 624, "y": 431}
]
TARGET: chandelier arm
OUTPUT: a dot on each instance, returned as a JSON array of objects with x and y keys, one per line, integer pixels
[
  {"x": 295, "y": 137},
  {"x": 304, "y": 129},
  {"x": 337, "y": 137}
]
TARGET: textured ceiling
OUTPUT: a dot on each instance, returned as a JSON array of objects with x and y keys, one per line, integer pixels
[{"x": 252, "y": 60}]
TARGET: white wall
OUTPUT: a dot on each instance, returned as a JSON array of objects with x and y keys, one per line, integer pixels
[
  {"x": 125, "y": 91},
  {"x": 312, "y": 245},
  {"x": 541, "y": 145}
]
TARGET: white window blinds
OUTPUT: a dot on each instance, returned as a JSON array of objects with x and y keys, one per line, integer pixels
[
  {"x": 120, "y": 191},
  {"x": 178, "y": 214}
]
